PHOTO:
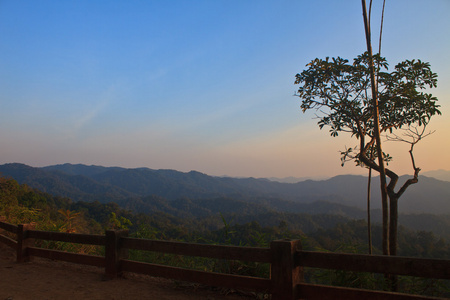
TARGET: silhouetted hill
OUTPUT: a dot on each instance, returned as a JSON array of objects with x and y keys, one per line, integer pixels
[
  {"x": 58, "y": 183},
  {"x": 105, "y": 184},
  {"x": 79, "y": 169},
  {"x": 438, "y": 174}
]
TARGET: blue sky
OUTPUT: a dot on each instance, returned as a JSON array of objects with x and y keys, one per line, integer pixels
[{"x": 196, "y": 85}]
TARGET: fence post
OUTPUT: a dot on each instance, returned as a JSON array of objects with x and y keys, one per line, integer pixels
[
  {"x": 114, "y": 252},
  {"x": 2, "y": 219},
  {"x": 284, "y": 273},
  {"x": 23, "y": 242}
]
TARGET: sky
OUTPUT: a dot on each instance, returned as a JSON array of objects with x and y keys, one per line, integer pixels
[{"x": 198, "y": 85}]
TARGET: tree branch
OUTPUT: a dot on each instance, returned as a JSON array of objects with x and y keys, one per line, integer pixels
[
  {"x": 413, "y": 135},
  {"x": 410, "y": 181}
]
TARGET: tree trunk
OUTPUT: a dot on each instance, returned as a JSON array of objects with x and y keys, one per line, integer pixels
[
  {"x": 369, "y": 226},
  {"x": 393, "y": 236},
  {"x": 393, "y": 228},
  {"x": 376, "y": 119}
]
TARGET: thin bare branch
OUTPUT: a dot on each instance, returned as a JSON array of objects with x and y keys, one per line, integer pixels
[{"x": 411, "y": 135}]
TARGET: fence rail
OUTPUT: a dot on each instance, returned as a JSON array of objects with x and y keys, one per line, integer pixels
[
  {"x": 8, "y": 227},
  {"x": 207, "y": 278},
  {"x": 428, "y": 268},
  {"x": 201, "y": 250},
  {"x": 286, "y": 259},
  {"x": 320, "y": 292},
  {"x": 82, "y": 259},
  {"x": 8, "y": 241},
  {"x": 89, "y": 239}
]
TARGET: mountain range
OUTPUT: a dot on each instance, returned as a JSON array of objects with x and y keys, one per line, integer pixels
[
  {"x": 438, "y": 174},
  {"x": 121, "y": 185}
]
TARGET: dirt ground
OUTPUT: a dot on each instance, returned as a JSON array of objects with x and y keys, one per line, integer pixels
[{"x": 46, "y": 279}]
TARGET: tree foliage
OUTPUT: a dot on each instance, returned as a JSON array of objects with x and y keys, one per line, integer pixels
[{"x": 341, "y": 93}]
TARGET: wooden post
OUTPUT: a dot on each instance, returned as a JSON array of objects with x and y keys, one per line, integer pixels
[
  {"x": 114, "y": 252},
  {"x": 2, "y": 219},
  {"x": 284, "y": 273},
  {"x": 23, "y": 242}
]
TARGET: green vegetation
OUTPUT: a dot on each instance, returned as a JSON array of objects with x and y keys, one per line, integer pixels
[
  {"x": 343, "y": 94},
  {"x": 166, "y": 191},
  {"x": 20, "y": 204}
]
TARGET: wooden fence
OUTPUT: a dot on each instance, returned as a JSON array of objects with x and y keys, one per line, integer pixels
[{"x": 286, "y": 258}]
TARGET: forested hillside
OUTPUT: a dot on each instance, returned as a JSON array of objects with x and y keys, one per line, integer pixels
[
  {"x": 184, "y": 221},
  {"x": 90, "y": 183}
]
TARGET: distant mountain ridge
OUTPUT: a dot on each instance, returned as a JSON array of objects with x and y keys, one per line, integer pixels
[
  {"x": 438, "y": 174},
  {"x": 89, "y": 183},
  {"x": 292, "y": 179}
]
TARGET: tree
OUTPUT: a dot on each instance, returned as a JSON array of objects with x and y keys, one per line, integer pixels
[
  {"x": 376, "y": 115},
  {"x": 342, "y": 94},
  {"x": 69, "y": 217},
  {"x": 376, "y": 120},
  {"x": 118, "y": 223}
]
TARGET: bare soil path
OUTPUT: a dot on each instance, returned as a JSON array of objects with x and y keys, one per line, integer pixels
[{"x": 46, "y": 279}]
